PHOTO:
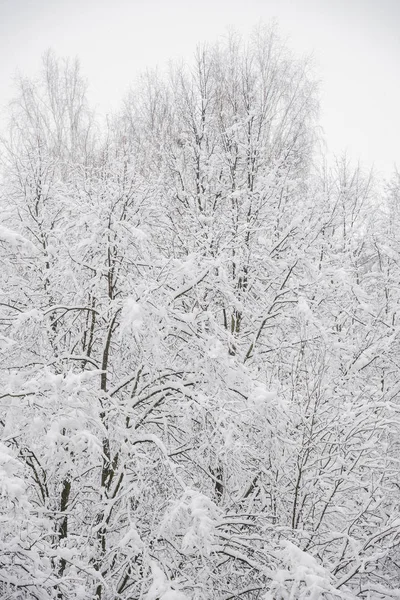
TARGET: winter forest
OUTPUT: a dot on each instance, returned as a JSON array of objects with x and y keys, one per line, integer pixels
[{"x": 199, "y": 341}]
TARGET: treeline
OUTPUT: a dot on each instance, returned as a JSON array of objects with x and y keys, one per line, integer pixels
[{"x": 200, "y": 343}]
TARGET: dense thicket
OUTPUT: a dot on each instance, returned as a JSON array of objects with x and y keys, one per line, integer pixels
[{"x": 199, "y": 378}]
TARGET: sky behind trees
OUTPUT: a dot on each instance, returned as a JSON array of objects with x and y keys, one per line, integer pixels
[{"x": 356, "y": 47}]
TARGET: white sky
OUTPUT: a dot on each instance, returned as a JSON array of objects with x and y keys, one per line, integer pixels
[{"x": 356, "y": 45}]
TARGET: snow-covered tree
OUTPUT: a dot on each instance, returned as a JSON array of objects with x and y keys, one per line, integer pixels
[{"x": 199, "y": 343}]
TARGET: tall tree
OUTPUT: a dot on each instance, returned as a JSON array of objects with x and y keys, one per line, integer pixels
[{"x": 199, "y": 385}]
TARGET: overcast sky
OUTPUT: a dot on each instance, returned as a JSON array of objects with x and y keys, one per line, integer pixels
[{"x": 356, "y": 45}]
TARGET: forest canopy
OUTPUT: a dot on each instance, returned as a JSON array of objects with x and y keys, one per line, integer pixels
[{"x": 199, "y": 369}]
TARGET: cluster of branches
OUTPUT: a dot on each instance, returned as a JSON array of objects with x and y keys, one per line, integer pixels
[{"x": 199, "y": 378}]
